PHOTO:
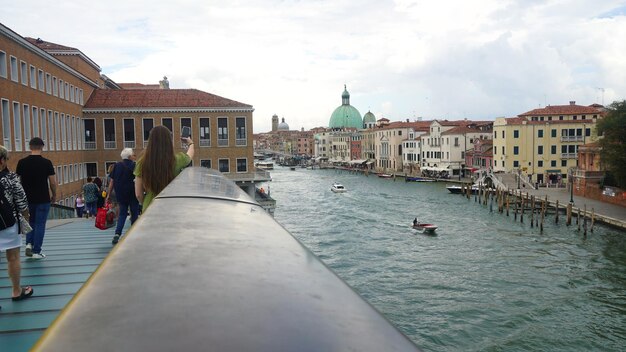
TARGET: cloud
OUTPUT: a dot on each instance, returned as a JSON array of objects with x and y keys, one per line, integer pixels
[{"x": 400, "y": 59}]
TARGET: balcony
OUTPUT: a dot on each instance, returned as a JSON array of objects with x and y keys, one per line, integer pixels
[
  {"x": 110, "y": 145},
  {"x": 569, "y": 155},
  {"x": 572, "y": 138},
  {"x": 90, "y": 145},
  {"x": 205, "y": 142},
  {"x": 129, "y": 144},
  {"x": 241, "y": 142},
  {"x": 222, "y": 142}
]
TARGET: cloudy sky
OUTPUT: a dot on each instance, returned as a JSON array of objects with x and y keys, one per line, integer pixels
[{"x": 445, "y": 59}]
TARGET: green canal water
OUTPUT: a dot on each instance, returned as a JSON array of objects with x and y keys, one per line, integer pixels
[{"x": 483, "y": 283}]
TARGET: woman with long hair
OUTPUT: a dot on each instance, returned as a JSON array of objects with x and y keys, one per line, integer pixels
[{"x": 158, "y": 165}]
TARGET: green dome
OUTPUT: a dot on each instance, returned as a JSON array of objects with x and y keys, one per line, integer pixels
[
  {"x": 346, "y": 115},
  {"x": 369, "y": 117}
]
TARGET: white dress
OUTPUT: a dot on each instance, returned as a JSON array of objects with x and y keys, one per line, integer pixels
[{"x": 9, "y": 238}]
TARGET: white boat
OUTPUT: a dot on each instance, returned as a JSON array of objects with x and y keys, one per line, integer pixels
[
  {"x": 338, "y": 188},
  {"x": 265, "y": 165},
  {"x": 426, "y": 228}
]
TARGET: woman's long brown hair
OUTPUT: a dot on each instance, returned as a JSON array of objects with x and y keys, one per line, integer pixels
[{"x": 157, "y": 161}]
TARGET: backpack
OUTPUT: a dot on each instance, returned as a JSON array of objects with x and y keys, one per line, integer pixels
[{"x": 7, "y": 217}]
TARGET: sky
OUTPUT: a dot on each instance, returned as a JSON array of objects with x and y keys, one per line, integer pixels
[{"x": 402, "y": 59}]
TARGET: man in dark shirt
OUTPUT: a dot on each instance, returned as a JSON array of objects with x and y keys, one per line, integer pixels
[
  {"x": 39, "y": 182},
  {"x": 123, "y": 182}
]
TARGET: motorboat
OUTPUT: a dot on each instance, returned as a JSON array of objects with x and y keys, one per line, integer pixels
[
  {"x": 418, "y": 179},
  {"x": 338, "y": 188},
  {"x": 385, "y": 175},
  {"x": 426, "y": 228},
  {"x": 455, "y": 189},
  {"x": 265, "y": 165}
]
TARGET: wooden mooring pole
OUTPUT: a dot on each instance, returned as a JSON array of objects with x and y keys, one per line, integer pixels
[
  {"x": 556, "y": 212},
  {"x": 585, "y": 222},
  {"x": 568, "y": 221},
  {"x": 593, "y": 218},
  {"x": 532, "y": 211}
]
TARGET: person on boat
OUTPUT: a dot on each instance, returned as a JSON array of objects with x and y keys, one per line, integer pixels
[{"x": 415, "y": 222}]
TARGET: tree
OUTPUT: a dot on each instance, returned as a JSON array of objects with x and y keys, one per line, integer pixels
[{"x": 612, "y": 128}]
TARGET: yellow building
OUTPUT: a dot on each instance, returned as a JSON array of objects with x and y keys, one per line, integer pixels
[{"x": 542, "y": 144}]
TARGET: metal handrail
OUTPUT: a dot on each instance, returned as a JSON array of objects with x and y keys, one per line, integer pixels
[{"x": 216, "y": 272}]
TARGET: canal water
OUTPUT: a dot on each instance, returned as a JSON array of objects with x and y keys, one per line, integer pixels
[{"x": 483, "y": 283}]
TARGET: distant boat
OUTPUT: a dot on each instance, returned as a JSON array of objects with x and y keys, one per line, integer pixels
[
  {"x": 426, "y": 228},
  {"x": 265, "y": 165},
  {"x": 292, "y": 168},
  {"x": 418, "y": 179},
  {"x": 385, "y": 175},
  {"x": 454, "y": 189},
  {"x": 338, "y": 188}
]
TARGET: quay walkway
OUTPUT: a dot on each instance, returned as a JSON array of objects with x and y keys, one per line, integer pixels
[{"x": 74, "y": 249}]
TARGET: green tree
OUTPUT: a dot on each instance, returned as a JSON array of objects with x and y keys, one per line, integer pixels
[{"x": 613, "y": 129}]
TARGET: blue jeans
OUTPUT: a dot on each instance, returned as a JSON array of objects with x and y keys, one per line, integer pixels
[
  {"x": 38, "y": 216},
  {"x": 134, "y": 214},
  {"x": 91, "y": 208}
]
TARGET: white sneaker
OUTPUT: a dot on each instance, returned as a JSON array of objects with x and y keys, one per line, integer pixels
[
  {"x": 38, "y": 256},
  {"x": 29, "y": 250}
]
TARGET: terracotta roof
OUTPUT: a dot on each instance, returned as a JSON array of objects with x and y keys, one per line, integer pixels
[
  {"x": 48, "y": 46},
  {"x": 464, "y": 129},
  {"x": 158, "y": 98},
  {"x": 571, "y": 109},
  {"x": 416, "y": 125},
  {"x": 138, "y": 86}
]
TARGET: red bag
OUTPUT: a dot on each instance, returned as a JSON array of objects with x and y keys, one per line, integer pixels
[
  {"x": 105, "y": 217},
  {"x": 101, "y": 218}
]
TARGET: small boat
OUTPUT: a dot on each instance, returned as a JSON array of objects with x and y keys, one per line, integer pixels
[
  {"x": 338, "y": 188},
  {"x": 458, "y": 189},
  {"x": 292, "y": 168},
  {"x": 418, "y": 179},
  {"x": 385, "y": 175},
  {"x": 265, "y": 165},
  {"x": 426, "y": 228}
]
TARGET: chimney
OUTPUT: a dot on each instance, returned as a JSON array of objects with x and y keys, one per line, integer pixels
[{"x": 572, "y": 102}]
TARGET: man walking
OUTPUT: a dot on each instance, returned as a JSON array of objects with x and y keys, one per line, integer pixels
[
  {"x": 123, "y": 182},
  {"x": 39, "y": 182}
]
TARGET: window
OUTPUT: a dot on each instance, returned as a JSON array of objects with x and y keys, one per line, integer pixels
[
  {"x": 24, "y": 72},
  {"x": 553, "y": 163},
  {"x": 515, "y": 150},
  {"x": 40, "y": 80},
  {"x": 540, "y": 163},
  {"x": 17, "y": 127},
  {"x": 503, "y": 153},
  {"x": 539, "y": 133},
  {"x": 61, "y": 89},
  {"x": 109, "y": 134},
  {"x": 57, "y": 131},
  {"x": 63, "y": 132},
  {"x": 147, "y": 125},
  {"x": 240, "y": 131},
  {"x": 167, "y": 122},
  {"x": 51, "y": 129},
  {"x": 553, "y": 149},
  {"x": 223, "y": 165},
  {"x": 205, "y": 163},
  {"x": 205, "y": 132},
  {"x": 515, "y": 163},
  {"x": 540, "y": 150},
  {"x": 564, "y": 162},
  {"x": 48, "y": 83},
  {"x": 129, "y": 133},
  {"x": 72, "y": 93},
  {"x": 3, "y": 65},
  {"x": 27, "y": 134},
  {"x": 185, "y": 121},
  {"x": 14, "y": 69},
  {"x": 242, "y": 165},
  {"x": 67, "y": 91},
  {"x": 587, "y": 132},
  {"x": 33, "y": 77},
  {"x": 36, "y": 122},
  {"x": 90, "y": 133},
  {"x": 91, "y": 169},
  {"x": 6, "y": 123},
  {"x": 222, "y": 131},
  {"x": 80, "y": 91},
  {"x": 515, "y": 133},
  {"x": 55, "y": 87}
]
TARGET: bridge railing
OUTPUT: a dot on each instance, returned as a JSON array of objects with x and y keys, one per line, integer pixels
[{"x": 205, "y": 268}]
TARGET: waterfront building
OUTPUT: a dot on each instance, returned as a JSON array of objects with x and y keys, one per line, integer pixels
[
  {"x": 542, "y": 144},
  {"x": 388, "y": 141},
  {"x": 85, "y": 118},
  {"x": 345, "y": 115},
  {"x": 480, "y": 156},
  {"x": 412, "y": 148}
]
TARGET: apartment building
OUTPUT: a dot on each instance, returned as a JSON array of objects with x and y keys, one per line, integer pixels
[
  {"x": 542, "y": 144},
  {"x": 59, "y": 94}
]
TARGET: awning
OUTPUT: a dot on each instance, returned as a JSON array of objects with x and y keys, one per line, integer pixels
[
  {"x": 555, "y": 171},
  {"x": 429, "y": 168},
  {"x": 357, "y": 161}
]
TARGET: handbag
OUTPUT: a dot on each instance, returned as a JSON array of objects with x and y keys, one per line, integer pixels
[{"x": 105, "y": 217}]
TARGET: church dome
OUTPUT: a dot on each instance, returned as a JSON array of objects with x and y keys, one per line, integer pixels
[
  {"x": 346, "y": 115},
  {"x": 369, "y": 117},
  {"x": 283, "y": 126}
]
